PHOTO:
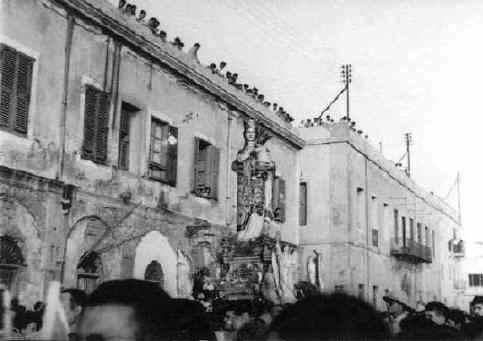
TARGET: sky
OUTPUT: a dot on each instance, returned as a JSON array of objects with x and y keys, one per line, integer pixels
[{"x": 416, "y": 68}]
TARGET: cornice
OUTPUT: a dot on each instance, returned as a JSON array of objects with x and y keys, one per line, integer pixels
[{"x": 104, "y": 15}]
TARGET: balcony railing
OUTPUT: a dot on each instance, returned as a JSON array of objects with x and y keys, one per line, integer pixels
[{"x": 411, "y": 251}]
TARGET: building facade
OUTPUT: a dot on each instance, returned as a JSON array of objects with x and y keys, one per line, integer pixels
[
  {"x": 116, "y": 150},
  {"x": 375, "y": 230},
  {"x": 122, "y": 156}
]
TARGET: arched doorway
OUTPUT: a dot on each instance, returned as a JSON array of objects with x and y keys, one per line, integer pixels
[
  {"x": 89, "y": 271},
  {"x": 155, "y": 247},
  {"x": 11, "y": 259},
  {"x": 154, "y": 273}
]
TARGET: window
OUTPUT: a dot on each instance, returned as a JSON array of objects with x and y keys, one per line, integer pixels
[
  {"x": 339, "y": 288},
  {"x": 16, "y": 83},
  {"x": 89, "y": 271},
  {"x": 475, "y": 280},
  {"x": 360, "y": 207},
  {"x": 419, "y": 233},
  {"x": 373, "y": 212},
  {"x": 375, "y": 237},
  {"x": 411, "y": 229},
  {"x": 426, "y": 236},
  {"x": 206, "y": 166},
  {"x": 96, "y": 125},
  {"x": 396, "y": 226},
  {"x": 433, "y": 242},
  {"x": 127, "y": 112},
  {"x": 278, "y": 199},
  {"x": 303, "y": 204},
  {"x": 163, "y": 156},
  {"x": 11, "y": 261},
  {"x": 403, "y": 221},
  {"x": 361, "y": 293}
]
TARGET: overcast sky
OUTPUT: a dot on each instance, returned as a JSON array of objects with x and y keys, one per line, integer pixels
[{"x": 416, "y": 68}]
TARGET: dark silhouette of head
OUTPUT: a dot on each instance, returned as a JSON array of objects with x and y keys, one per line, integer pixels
[
  {"x": 141, "y": 310},
  {"x": 336, "y": 316}
]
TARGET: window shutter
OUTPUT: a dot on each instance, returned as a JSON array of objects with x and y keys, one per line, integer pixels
[
  {"x": 24, "y": 80},
  {"x": 172, "y": 155},
  {"x": 7, "y": 67},
  {"x": 281, "y": 201},
  {"x": 89, "y": 122},
  {"x": 303, "y": 204},
  {"x": 278, "y": 198},
  {"x": 275, "y": 194},
  {"x": 213, "y": 170},
  {"x": 199, "y": 168},
  {"x": 124, "y": 139},
  {"x": 102, "y": 126}
]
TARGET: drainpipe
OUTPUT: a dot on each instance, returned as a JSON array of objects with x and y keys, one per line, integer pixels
[
  {"x": 367, "y": 230},
  {"x": 228, "y": 191},
  {"x": 63, "y": 117},
  {"x": 65, "y": 94}
]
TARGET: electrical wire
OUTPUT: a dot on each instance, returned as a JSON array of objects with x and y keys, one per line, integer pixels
[{"x": 332, "y": 102}]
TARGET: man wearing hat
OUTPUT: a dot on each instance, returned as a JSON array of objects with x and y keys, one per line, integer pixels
[{"x": 398, "y": 309}]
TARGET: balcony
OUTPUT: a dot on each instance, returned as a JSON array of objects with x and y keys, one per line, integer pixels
[
  {"x": 411, "y": 251},
  {"x": 457, "y": 248}
]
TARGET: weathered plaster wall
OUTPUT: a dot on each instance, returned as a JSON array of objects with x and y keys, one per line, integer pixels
[
  {"x": 38, "y": 28},
  {"x": 361, "y": 190}
]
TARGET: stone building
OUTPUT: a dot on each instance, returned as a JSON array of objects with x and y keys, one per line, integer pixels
[
  {"x": 116, "y": 150},
  {"x": 373, "y": 228},
  {"x": 122, "y": 156}
]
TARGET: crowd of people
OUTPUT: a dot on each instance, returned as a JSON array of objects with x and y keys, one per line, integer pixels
[{"x": 132, "y": 309}]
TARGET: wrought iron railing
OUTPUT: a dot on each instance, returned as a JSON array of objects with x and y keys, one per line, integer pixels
[{"x": 411, "y": 250}]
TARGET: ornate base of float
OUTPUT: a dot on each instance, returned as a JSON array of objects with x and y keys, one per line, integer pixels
[{"x": 244, "y": 265}]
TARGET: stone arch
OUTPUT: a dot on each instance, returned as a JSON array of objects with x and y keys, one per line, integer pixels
[
  {"x": 155, "y": 247},
  {"x": 82, "y": 236},
  {"x": 19, "y": 225}
]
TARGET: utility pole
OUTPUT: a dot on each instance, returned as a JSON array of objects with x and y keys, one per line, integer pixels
[
  {"x": 409, "y": 140},
  {"x": 346, "y": 74}
]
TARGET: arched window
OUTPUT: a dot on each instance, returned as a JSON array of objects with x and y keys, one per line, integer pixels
[
  {"x": 89, "y": 271},
  {"x": 11, "y": 259},
  {"x": 154, "y": 273}
]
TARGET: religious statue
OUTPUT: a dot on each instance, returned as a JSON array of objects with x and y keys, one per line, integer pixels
[
  {"x": 254, "y": 168},
  {"x": 286, "y": 268},
  {"x": 185, "y": 281},
  {"x": 312, "y": 270}
]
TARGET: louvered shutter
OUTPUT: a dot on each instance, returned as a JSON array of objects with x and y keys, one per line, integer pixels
[
  {"x": 8, "y": 64},
  {"x": 303, "y": 204},
  {"x": 213, "y": 170},
  {"x": 102, "y": 128},
  {"x": 24, "y": 80},
  {"x": 199, "y": 168},
  {"x": 172, "y": 166},
  {"x": 275, "y": 194},
  {"x": 124, "y": 139},
  {"x": 281, "y": 199},
  {"x": 90, "y": 108}
]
